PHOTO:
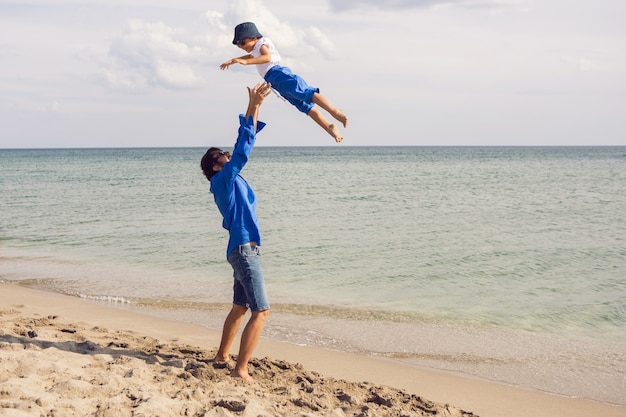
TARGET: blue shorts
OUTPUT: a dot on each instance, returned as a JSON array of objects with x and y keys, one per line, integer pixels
[
  {"x": 292, "y": 87},
  {"x": 249, "y": 286}
]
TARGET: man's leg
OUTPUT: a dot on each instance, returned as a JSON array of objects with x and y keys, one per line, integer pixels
[
  {"x": 249, "y": 339},
  {"x": 231, "y": 325}
]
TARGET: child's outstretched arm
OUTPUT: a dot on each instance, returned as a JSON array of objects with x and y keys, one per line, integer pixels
[
  {"x": 239, "y": 60},
  {"x": 264, "y": 58}
]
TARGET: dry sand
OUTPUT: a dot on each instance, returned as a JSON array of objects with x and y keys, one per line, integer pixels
[{"x": 61, "y": 356}]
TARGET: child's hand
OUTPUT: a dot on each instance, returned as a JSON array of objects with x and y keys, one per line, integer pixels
[{"x": 228, "y": 63}]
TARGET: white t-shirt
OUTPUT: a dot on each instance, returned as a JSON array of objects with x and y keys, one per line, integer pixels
[{"x": 274, "y": 55}]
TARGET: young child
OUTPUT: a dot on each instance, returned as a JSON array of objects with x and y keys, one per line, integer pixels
[{"x": 262, "y": 53}]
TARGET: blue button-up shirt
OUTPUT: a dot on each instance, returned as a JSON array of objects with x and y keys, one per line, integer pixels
[{"x": 233, "y": 195}]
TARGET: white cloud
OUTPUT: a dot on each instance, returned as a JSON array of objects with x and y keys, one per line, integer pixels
[
  {"x": 153, "y": 54},
  {"x": 54, "y": 106},
  {"x": 399, "y": 5},
  {"x": 588, "y": 65}
]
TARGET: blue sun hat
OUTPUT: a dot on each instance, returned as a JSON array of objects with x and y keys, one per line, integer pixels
[{"x": 245, "y": 30}]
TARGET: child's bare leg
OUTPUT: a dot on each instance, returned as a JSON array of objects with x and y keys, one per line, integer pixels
[
  {"x": 331, "y": 129},
  {"x": 323, "y": 102}
]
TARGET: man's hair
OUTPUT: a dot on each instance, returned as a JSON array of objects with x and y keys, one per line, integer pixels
[{"x": 207, "y": 162}]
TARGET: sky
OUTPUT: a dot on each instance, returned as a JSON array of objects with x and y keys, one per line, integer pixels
[{"x": 145, "y": 73}]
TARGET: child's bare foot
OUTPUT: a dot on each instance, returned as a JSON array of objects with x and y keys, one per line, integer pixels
[
  {"x": 235, "y": 373},
  {"x": 334, "y": 132},
  {"x": 342, "y": 118}
]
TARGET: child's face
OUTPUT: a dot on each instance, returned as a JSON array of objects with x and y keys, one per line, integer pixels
[{"x": 247, "y": 44}]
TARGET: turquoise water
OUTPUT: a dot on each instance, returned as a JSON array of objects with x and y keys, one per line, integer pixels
[{"x": 509, "y": 252}]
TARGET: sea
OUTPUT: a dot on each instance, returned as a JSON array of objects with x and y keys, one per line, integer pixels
[{"x": 500, "y": 263}]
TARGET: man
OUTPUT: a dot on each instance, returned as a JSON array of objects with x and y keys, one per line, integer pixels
[{"x": 236, "y": 202}]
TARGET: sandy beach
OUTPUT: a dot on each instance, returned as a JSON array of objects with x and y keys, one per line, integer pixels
[{"x": 63, "y": 356}]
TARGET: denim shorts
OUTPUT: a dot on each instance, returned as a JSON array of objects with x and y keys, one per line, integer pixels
[{"x": 249, "y": 286}]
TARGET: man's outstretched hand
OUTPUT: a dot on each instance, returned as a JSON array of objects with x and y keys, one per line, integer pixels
[{"x": 259, "y": 92}]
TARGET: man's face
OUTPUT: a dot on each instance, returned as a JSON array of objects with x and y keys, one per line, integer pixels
[{"x": 220, "y": 158}]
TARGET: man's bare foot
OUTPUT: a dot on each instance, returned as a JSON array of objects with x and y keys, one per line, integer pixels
[
  {"x": 235, "y": 373},
  {"x": 220, "y": 362},
  {"x": 334, "y": 132},
  {"x": 219, "y": 358},
  {"x": 342, "y": 118}
]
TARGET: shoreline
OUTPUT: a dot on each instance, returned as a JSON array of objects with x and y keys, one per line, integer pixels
[{"x": 482, "y": 397}]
